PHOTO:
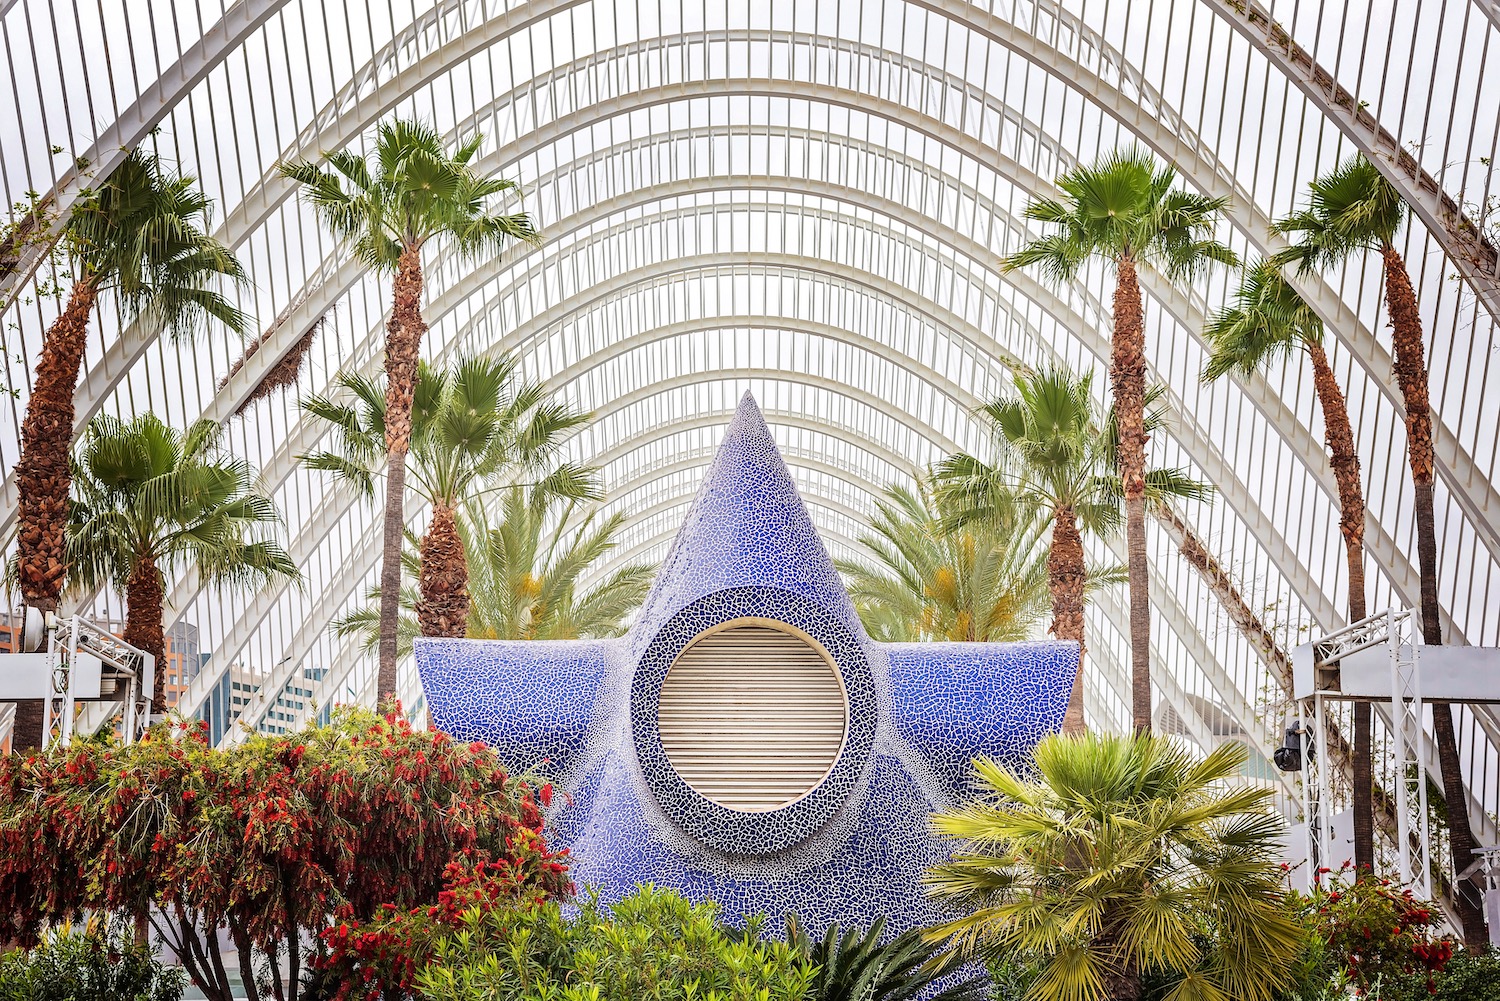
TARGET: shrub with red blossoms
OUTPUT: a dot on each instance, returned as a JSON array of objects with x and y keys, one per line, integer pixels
[
  {"x": 1375, "y": 931},
  {"x": 378, "y": 960},
  {"x": 279, "y": 839}
]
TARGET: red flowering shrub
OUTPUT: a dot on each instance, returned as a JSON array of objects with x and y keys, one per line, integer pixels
[
  {"x": 274, "y": 837},
  {"x": 381, "y": 957},
  {"x": 1375, "y": 931}
]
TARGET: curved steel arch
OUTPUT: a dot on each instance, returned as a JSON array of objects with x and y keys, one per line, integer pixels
[
  {"x": 1473, "y": 493},
  {"x": 1461, "y": 487}
]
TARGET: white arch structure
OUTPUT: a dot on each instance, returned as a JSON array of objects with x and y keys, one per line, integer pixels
[{"x": 809, "y": 199}]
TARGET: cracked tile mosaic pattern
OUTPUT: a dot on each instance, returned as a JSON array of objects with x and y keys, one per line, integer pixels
[{"x": 583, "y": 714}]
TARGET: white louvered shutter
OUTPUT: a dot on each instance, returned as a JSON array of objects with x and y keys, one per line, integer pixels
[{"x": 752, "y": 716}]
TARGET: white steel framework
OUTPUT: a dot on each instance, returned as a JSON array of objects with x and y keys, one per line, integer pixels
[{"x": 808, "y": 198}]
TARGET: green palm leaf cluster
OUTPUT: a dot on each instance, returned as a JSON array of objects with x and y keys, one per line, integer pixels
[
  {"x": 151, "y": 500},
  {"x": 927, "y": 578},
  {"x": 410, "y": 189},
  {"x": 854, "y": 965},
  {"x": 471, "y": 424},
  {"x": 1121, "y": 857},
  {"x": 473, "y": 427},
  {"x": 528, "y": 574}
]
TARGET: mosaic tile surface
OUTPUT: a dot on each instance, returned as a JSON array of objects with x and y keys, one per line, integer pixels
[{"x": 583, "y": 713}]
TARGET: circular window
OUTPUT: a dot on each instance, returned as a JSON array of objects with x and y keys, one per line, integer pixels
[{"x": 752, "y": 715}]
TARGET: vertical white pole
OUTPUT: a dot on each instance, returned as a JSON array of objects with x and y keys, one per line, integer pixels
[
  {"x": 1399, "y": 739},
  {"x": 1417, "y": 722}
]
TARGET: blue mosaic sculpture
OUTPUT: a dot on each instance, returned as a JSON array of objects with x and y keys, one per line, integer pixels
[{"x": 854, "y": 846}]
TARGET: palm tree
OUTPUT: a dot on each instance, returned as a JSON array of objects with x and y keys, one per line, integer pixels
[
  {"x": 1065, "y": 463},
  {"x": 385, "y": 208},
  {"x": 1118, "y": 857},
  {"x": 150, "y": 500},
  {"x": 525, "y": 574},
  {"x": 1125, "y": 211},
  {"x": 141, "y": 236},
  {"x": 469, "y": 425},
  {"x": 1270, "y": 320},
  {"x": 929, "y": 579},
  {"x": 1354, "y": 210}
]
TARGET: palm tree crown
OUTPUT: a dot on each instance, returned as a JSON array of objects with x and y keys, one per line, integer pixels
[
  {"x": 471, "y": 424},
  {"x": 143, "y": 235},
  {"x": 1051, "y": 430},
  {"x": 409, "y": 190},
  {"x": 1117, "y": 857},
  {"x": 152, "y": 500},
  {"x": 1267, "y": 319},
  {"x": 525, "y": 574},
  {"x": 1124, "y": 207},
  {"x": 928, "y": 579},
  {"x": 1350, "y": 209}
]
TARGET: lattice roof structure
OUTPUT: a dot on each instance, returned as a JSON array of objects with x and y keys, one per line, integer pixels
[{"x": 808, "y": 199}]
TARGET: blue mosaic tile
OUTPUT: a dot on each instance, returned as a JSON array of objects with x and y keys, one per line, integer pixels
[{"x": 584, "y": 714}]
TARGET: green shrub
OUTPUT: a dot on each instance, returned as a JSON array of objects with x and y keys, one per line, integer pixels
[
  {"x": 856, "y": 966},
  {"x": 653, "y": 944},
  {"x": 1468, "y": 976},
  {"x": 77, "y": 966}
]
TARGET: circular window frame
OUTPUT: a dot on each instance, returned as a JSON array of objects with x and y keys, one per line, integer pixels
[
  {"x": 817, "y": 648},
  {"x": 738, "y": 832}
]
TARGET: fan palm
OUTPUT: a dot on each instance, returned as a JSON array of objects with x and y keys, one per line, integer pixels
[
  {"x": 1353, "y": 210},
  {"x": 1270, "y": 320},
  {"x": 857, "y": 966},
  {"x": 929, "y": 579},
  {"x": 1122, "y": 857},
  {"x": 151, "y": 500},
  {"x": 1061, "y": 456},
  {"x": 525, "y": 573},
  {"x": 1126, "y": 211},
  {"x": 386, "y": 208},
  {"x": 140, "y": 234},
  {"x": 469, "y": 425}
]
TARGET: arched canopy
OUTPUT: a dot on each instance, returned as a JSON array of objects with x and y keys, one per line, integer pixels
[{"x": 809, "y": 199}]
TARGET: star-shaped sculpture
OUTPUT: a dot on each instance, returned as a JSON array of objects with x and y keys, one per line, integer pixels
[{"x": 746, "y": 740}]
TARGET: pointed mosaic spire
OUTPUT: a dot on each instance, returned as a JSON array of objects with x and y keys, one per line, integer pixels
[{"x": 747, "y": 526}]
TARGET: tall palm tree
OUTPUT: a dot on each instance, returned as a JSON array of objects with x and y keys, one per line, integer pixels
[
  {"x": 470, "y": 425},
  {"x": 1354, "y": 210},
  {"x": 385, "y": 208},
  {"x": 1127, "y": 212},
  {"x": 1065, "y": 461},
  {"x": 524, "y": 574},
  {"x": 141, "y": 235},
  {"x": 150, "y": 500},
  {"x": 1120, "y": 857},
  {"x": 1269, "y": 320},
  {"x": 928, "y": 578}
]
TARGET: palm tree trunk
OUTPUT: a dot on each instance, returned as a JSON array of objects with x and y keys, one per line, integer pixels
[
  {"x": 1066, "y": 577},
  {"x": 443, "y": 609},
  {"x": 1127, "y": 372},
  {"x": 1339, "y": 436},
  {"x": 403, "y": 345},
  {"x": 1411, "y": 373},
  {"x": 145, "y": 597},
  {"x": 43, "y": 478}
]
